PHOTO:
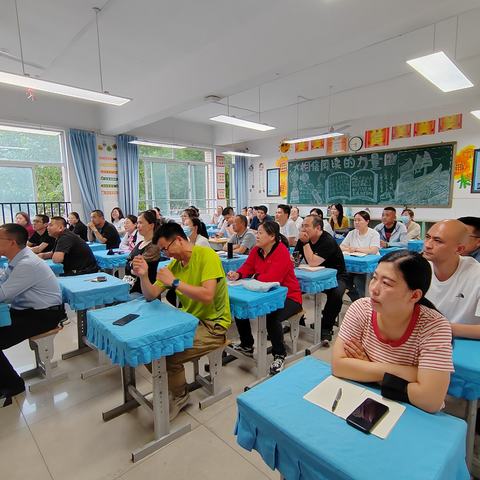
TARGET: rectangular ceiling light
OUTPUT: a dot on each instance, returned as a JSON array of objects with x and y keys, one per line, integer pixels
[
  {"x": 441, "y": 71},
  {"x": 13, "y": 148},
  {"x": 241, "y": 154},
  {"x": 10, "y": 128},
  {"x": 476, "y": 113},
  {"x": 316, "y": 137},
  {"x": 60, "y": 89},
  {"x": 154, "y": 144},
  {"x": 238, "y": 122}
]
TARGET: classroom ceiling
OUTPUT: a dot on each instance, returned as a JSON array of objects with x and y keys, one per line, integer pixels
[{"x": 169, "y": 55}]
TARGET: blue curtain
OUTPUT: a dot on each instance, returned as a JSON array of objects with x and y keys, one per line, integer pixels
[
  {"x": 83, "y": 146},
  {"x": 127, "y": 160},
  {"x": 241, "y": 179}
]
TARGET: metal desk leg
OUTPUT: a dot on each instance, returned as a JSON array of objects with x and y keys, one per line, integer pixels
[
  {"x": 262, "y": 347},
  {"x": 129, "y": 402},
  {"x": 472, "y": 406},
  {"x": 81, "y": 332},
  {"x": 317, "y": 326},
  {"x": 104, "y": 365}
]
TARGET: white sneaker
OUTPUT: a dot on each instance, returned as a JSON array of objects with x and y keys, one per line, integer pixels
[{"x": 277, "y": 364}]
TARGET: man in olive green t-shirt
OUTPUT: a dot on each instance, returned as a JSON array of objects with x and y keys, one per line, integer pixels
[{"x": 198, "y": 279}]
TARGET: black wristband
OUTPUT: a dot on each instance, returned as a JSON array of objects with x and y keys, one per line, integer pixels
[{"x": 395, "y": 388}]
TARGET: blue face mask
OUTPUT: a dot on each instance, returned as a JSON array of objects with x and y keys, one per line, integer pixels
[
  {"x": 404, "y": 219},
  {"x": 187, "y": 230}
]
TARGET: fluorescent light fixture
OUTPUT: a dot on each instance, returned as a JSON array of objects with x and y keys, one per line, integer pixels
[
  {"x": 238, "y": 122},
  {"x": 441, "y": 71},
  {"x": 10, "y": 128},
  {"x": 476, "y": 113},
  {"x": 60, "y": 89},
  {"x": 154, "y": 144},
  {"x": 316, "y": 137},
  {"x": 241, "y": 154}
]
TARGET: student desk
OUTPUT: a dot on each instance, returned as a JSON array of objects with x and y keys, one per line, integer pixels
[
  {"x": 364, "y": 265},
  {"x": 57, "y": 268},
  {"x": 246, "y": 304},
  {"x": 3, "y": 262},
  {"x": 97, "y": 247},
  {"x": 465, "y": 383},
  {"x": 232, "y": 264},
  {"x": 160, "y": 330},
  {"x": 81, "y": 294},
  {"x": 415, "y": 245},
  {"x": 304, "y": 441},
  {"x": 315, "y": 283},
  {"x": 5, "y": 319},
  {"x": 109, "y": 263},
  {"x": 212, "y": 230}
]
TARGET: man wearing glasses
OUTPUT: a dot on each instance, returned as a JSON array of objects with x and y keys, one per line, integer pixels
[
  {"x": 197, "y": 277},
  {"x": 35, "y": 299},
  {"x": 472, "y": 245}
]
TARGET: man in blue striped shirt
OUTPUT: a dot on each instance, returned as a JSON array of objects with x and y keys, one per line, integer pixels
[{"x": 32, "y": 290}]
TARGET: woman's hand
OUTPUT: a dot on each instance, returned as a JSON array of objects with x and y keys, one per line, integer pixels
[
  {"x": 354, "y": 349},
  {"x": 233, "y": 276}
]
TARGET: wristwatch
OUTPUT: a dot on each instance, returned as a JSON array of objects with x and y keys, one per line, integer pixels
[{"x": 175, "y": 284}]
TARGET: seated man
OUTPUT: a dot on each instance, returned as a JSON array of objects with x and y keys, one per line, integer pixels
[
  {"x": 35, "y": 299},
  {"x": 472, "y": 245},
  {"x": 261, "y": 216},
  {"x": 226, "y": 229},
  {"x": 455, "y": 286},
  {"x": 99, "y": 230},
  {"x": 77, "y": 257},
  {"x": 287, "y": 226},
  {"x": 41, "y": 241},
  {"x": 392, "y": 233},
  {"x": 243, "y": 239},
  {"x": 197, "y": 277},
  {"x": 320, "y": 248}
]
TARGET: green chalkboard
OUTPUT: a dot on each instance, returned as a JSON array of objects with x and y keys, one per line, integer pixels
[{"x": 416, "y": 176}]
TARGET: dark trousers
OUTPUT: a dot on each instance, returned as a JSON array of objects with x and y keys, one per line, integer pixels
[
  {"x": 334, "y": 302},
  {"x": 25, "y": 324},
  {"x": 357, "y": 285},
  {"x": 274, "y": 327}
]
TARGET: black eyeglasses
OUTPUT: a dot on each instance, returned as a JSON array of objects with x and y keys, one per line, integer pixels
[{"x": 165, "y": 250}]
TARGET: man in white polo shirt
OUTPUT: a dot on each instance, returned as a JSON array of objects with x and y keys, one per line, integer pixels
[
  {"x": 455, "y": 287},
  {"x": 287, "y": 226}
]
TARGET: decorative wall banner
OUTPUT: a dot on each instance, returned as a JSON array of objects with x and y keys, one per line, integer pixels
[
  {"x": 261, "y": 178},
  {"x": 424, "y": 128},
  {"x": 220, "y": 168},
  {"x": 282, "y": 163},
  {"x": 450, "y": 122},
  {"x": 273, "y": 182},
  {"x": 377, "y": 138},
  {"x": 107, "y": 165},
  {"x": 401, "y": 131},
  {"x": 317, "y": 144},
  {"x": 476, "y": 173},
  {"x": 302, "y": 147},
  {"x": 337, "y": 145},
  {"x": 463, "y": 167}
]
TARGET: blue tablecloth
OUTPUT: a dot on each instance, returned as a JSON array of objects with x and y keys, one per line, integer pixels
[
  {"x": 465, "y": 382},
  {"x": 81, "y": 293},
  {"x": 160, "y": 330},
  {"x": 5, "y": 319},
  {"x": 366, "y": 264},
  {"x": 304, "y": 441},
  {"x": 106, "y": 261},
  {"x": 212, "y": 231},
  {"x": 316, "y": 282},
  {"x": 415, "y": 245},
  {"x": 247, "y": 304},
  {"x": 232, "y": 264},
  {"x": 384, "y": 251},
  {"x": 57, "y": 268},
  {"x": 3, "y": 262},
  {"x": 97, "y": 247}
]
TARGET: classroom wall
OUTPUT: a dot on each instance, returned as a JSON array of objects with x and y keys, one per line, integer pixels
[{"x": 464, "y": 202}]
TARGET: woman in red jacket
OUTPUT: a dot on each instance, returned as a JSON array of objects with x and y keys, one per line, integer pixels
[{"x": 269, "y": 261}]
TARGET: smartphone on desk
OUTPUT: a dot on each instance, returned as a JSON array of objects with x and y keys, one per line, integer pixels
[
  {"x": 126, "y": 319},
  {"x": 367, "y": 415}
]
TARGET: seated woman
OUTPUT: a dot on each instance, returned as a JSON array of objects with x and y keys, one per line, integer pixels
[
  {"x": 192, "y": 213},
  {"x": 338, "y": 221},
  {"x": 413, "y": 228},
  {"x": 146, "y": 224},
  {"x": 118, "y": 220},
  {"x": 191, "y": 228},
  {"x": 76, "y": 226},
  {"x": 23, "y": 219},
  {"x": 396, "y": 337},
  {"x": 269, "y": 261},
  {"x": 362, "y": 239},
  {"x": 131, "y": 237}
]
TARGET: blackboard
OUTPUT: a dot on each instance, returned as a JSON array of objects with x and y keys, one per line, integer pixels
[{"x": 416, "y": 176}]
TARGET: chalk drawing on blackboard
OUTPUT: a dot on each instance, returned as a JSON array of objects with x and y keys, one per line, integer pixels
[
  {"x": 361, "y": 185},
  {"x": 293, "y": 191},
  {"x": 390, "y": 159}
]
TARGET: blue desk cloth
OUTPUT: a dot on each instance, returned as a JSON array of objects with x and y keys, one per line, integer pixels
[
  {"x": 366, "y": 264},
  {"x": 233, "y": 264},
  {"x": 465, "y": 382},
  {"x": 160, "y": 330},
  {"x": 212, "y": 231},
  {"x": 305, "y": 442},
  {"x": 247, "y": 304},
  {"x": 105, "y": 261},
  {"x": 384, "y": 251},
  {"x": 97, "y": 247},
  {"x": 3, "y": 262},
  {"x": 316, "y": 282},
  {"x": 5, "y": 319},
  {"x": 415, "y": 245},
  {"x": 81, "y": 293},
  {"x": 57, "y": 268}
]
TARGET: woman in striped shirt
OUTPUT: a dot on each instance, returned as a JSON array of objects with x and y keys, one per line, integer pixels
[{"x": 396, "y": 337}]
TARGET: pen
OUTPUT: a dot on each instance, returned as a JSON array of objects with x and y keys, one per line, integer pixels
[{"x": 337, "y": 399}]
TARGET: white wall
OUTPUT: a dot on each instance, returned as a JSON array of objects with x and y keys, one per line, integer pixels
[{"x": 464, "y": 202}]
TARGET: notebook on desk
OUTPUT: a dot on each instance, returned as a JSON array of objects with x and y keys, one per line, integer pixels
[
  {"x": 308, "y": 268},
  {"x": 355, "y": 254},
  {"x": 324, "y": 395}
]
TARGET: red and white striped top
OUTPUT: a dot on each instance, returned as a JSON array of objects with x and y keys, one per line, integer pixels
[{"x": 427, "y": 342}]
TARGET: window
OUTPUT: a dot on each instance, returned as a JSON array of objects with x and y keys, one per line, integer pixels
[
  {"x": 230, "y": 180},
  {"x": 173, "y": 179},
  {"x": 32, "y": 168}
]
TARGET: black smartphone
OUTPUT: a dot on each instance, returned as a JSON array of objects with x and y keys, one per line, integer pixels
[
  {"x": 126, "y": 319},
  {"x": 367, "y": 415}
]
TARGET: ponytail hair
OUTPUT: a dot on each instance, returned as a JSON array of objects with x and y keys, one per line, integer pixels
[
  {"x": 272, "y": 228},
  {"x": 416, "y": 272}
]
